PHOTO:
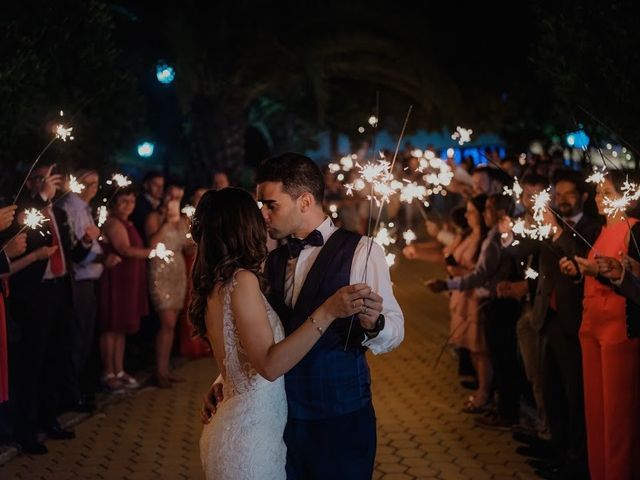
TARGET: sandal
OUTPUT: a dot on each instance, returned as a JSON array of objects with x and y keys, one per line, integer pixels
[
  {"x": 470, "y": 406},
  {"x": 112, "y": 383},
  {"x": 128, "y": 381}
]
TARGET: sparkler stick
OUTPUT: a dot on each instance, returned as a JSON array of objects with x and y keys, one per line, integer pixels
[
  {"x": 370, "y": 239},
  {"x": 373, "y": 121},
  {"x": 62, "y": 133}
]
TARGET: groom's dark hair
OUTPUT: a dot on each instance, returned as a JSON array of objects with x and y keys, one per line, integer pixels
[{"x": 298, "y": 174}]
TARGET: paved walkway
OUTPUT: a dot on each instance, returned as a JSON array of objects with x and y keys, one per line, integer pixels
[{"x": 154, "y": 434}]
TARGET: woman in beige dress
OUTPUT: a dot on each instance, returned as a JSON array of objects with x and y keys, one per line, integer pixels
[{"x": 167, "y": 280}]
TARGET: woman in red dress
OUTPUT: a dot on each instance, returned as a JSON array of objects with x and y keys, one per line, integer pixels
[
  {"x": 122, "y": 289},
  {"x": 610, "y": 351}
]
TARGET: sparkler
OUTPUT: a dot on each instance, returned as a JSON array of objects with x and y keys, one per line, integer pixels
[
  {"x": 34, "y": 219},
  {"x": 462, "y": 135},
  {"x": 102, "y": 215},
  {"x": 530, "y": 274},
  {"x": 515, "y": 191},
  {"x": 409, "y": 236},
  {"x": 74, "y": 185},
  {"x": 162, "y": 252},
  {"x": 61, "y": 132},
  {"x": 189, "y": 210},
  {"x": 120, "y": 180},
  {"x": 597, "y": 176}
]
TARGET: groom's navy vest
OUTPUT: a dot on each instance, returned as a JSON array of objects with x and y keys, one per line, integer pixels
[{"x": 329, "y": 381}]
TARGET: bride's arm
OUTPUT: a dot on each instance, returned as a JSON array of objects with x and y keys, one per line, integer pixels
[{"x": 270, "y": 359}]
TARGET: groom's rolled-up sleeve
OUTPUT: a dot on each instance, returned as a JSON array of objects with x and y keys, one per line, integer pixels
[{"x": 378, "y": 278}]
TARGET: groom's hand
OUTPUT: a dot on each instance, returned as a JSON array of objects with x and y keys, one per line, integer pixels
[
  {"x": 370, "y": 311},
  {"x": 347, "y": 301},
  {"x": 210, "y": 401}
]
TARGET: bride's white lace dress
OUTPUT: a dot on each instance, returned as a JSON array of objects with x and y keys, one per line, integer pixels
[{"x": 243, "y": 440}]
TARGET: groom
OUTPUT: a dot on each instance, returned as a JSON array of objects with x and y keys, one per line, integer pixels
[{"x": 331, "y": 427}]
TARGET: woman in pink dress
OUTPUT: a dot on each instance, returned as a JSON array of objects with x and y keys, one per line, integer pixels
[
  {"x": 466, "y": 329},
  {"x": 122, "y": 289}
]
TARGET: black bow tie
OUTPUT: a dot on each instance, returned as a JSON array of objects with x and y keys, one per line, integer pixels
[{"x": 296, "y": 245}]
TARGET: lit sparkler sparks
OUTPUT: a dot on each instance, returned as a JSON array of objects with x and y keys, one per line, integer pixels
[
  {"x": 119, "y": 180},
  {"x": 373, "y": 120},
  {"x": 597, "y": 176},
  {"x": 74, "y": 185},
  {"x": 462, "y": 135},
  {"x": 515, "y": 191},
  {"x": 530, "y": 274},
  {"x": 409, "y": 236},
  {"x": 412, "y": 191},
  {"x": 539, "y": 230},
  {"x": 390, "y": 258},
  {"x": 384, "y": 237},
  {"x": 189, "y": 210},
  {"x": 63, "y": 132},
  {"x": 618, "y": 206},
  {"x": 162, "y": 252},
  {"x": 102, "y": 215},
  {"x": 34, "y": 219}
]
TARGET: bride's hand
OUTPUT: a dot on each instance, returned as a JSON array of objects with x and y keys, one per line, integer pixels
[{"x": 210, "y": 401}]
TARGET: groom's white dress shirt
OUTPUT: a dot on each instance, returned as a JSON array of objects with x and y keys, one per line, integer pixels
[{"x": 377, "y": 278}]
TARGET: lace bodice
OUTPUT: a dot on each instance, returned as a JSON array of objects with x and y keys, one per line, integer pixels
[{"x": 240, "y": 376}]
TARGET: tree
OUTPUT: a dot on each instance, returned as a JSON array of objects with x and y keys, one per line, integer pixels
[{"x": 55, "y": 56}]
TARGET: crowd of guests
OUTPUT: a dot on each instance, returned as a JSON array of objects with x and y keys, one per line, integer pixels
[
  {"x": 552, "y": 323},
  {"x": 74, "y": 292},
  {"x": 563, "y": 340}
]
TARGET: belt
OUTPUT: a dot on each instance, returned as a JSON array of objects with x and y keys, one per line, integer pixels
[{"x": 55, "y": 280}]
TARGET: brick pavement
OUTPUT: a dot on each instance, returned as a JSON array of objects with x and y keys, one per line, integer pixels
[{"x": 154, "y": 434}]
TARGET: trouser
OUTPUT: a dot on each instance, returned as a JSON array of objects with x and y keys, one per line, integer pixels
[
  {"x": 611, "y": 392},
  {"x": 564, "y": 395},
  {"x": 531, "y": 350},
  {"x": 500, "y": 328},
  {"x": 42, "y": 356},
  {"x": 339, "y": 448},
  {"x": 85, "y": 304}
]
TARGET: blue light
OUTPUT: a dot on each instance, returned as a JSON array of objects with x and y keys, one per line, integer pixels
[
  {"x": 165, "y": 73},
  {"x": 578, "y": 139},
  {"x": 145, "y": 149}
]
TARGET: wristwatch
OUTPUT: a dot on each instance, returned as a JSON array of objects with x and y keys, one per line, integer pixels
[{"x": 373, "y": 332}]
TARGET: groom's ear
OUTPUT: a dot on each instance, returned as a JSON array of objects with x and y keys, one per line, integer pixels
[{"x": 306, "y": 202}]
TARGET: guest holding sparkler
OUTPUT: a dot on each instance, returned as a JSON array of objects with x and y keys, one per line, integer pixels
[
  {"x": 494, "y": 265},
  {"x": 167, "y": 281},
  {"x": 556, "y": 317},
  {"x": 122, "y": 289},
  {"x": 610, "y": 344},
  {"x": 467, "y": 327},
  {"x": 41, "y": 303},
  {"x": 86, "y": 275}
]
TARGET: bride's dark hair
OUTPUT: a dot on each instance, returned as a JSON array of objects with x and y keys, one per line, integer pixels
[{"x": 230, "y": 233}]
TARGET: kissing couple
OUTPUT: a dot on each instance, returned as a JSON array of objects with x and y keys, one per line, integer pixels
[{"x": 289, "y": 330}]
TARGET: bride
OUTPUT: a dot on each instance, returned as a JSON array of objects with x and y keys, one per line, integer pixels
[{"x": 243, "y": 440}]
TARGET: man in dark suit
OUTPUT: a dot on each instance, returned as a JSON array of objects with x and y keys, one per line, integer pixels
[
  {"x": 41, "y": 305},
  {"x": 148, "y": 201}
]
